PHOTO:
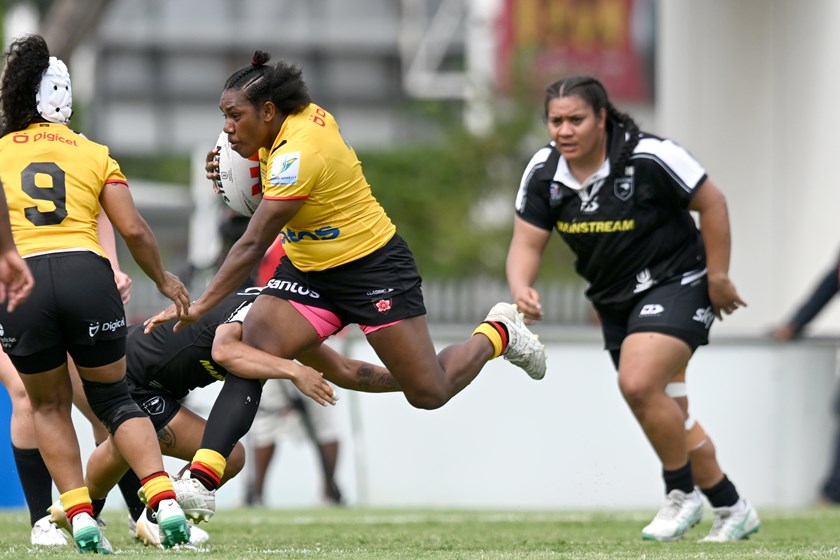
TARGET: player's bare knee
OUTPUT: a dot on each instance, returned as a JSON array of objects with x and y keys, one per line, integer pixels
[
  {"x": 426, "y": 398},
  {"x": 51, "y": 407},
  {"x": 635, "y": 390}
]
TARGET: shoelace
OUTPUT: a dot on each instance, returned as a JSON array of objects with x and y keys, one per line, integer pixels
[
  {"x": 719, "y": 522},
  {"x": 671, "y": 509}
]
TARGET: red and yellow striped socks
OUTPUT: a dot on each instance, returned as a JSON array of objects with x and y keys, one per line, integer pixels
[
  {"x": 157, "y": 487},
  {"x": 497, "y": 333},
  {"x": 208, "y": 466}
]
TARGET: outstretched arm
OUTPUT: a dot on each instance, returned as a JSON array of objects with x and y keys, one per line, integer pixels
[
  {"x": 348, "y": 373},
  {"x": 271, "y": 216},
  {"x": 249, "y": 363},
  {"x": 117, "y": 202}
]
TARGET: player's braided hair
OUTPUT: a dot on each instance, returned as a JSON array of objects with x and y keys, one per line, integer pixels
[
  {"x": 26, "y": 61},
  {"x": 594, "y": 93},
  {"x": 281, "y": 83}
]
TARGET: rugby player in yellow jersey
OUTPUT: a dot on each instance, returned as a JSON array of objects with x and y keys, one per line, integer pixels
[
  {"x": 344, "y": 264},
  {"x": 55, "y": 181}
]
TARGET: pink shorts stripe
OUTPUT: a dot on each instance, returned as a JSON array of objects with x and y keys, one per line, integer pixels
[
  {"x": 367, "y": 329},
  {"x": 327, "y": 323}
]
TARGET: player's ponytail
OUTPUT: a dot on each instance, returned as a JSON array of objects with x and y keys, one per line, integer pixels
[
  {"x": 26, "y": 61},
  {"x": 624, "y": 124},
  {"x": 260, "y": 58}
]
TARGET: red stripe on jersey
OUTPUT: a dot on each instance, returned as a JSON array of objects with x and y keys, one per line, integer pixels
[{"x": 286, "y": 197}]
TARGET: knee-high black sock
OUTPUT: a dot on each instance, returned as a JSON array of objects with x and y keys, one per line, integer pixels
[
  {"x": 129, "y": 485},
  {"x": 229, "y": 420},
  {"x": 35, "y": 480},
  {"x": 232, "y": 414}
]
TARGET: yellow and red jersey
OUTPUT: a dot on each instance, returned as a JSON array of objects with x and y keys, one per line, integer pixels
[
  {"x": 340, "y": 220},
  {"x": 52, "y": 178}
]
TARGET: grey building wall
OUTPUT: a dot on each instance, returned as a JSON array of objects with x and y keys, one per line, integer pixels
[{"x": 160, "y": 67}]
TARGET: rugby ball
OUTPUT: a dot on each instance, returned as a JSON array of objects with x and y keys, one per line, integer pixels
[{"x": 239, "y": 178}]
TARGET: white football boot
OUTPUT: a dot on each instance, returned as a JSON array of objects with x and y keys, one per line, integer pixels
[
  {"x": 733, "y": 523},
  {"x": 58, "y": 519},
  {"x": 678, "y": 514},
  {"x": 147, "y": 532},
  {"x": 47, "y": 533},
  {"x": 198, "y": 502},
  {"x": 174, "y": 529},
  {"x": 524, "y": 348},
  {"x": 86, "y": 533}
]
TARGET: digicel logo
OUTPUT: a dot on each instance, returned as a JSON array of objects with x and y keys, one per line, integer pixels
[{"x": 48, "y": 136}]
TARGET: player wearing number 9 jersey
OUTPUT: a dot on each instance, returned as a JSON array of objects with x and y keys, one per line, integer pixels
[
  {"x": 59, "y": 182},
  {"x": 55, "y": 181}
]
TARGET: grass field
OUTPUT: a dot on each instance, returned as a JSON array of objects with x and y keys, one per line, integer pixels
[{"x": 418, "y": 534}]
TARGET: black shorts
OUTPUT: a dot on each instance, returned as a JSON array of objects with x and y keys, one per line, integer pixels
[
  {"x": 159, "y": 405},
  {"x": 75, "y": 307},
  {"x": 680, "y": 310},
  {"x": 377, "y": 289}
]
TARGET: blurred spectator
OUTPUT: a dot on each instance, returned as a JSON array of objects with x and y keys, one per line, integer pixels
[
  {"x": 281, "y": 407},
  {"x": 810, "y": 308},
  {"x": 819, "y": 297}
]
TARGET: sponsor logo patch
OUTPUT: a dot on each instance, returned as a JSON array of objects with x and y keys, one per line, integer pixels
[
  {"x": 7, "y": 341},
  {"x": 705, "y": 316},
  {"x": 644, "y": 280},
  {"x": 322, "y": 233},
  {"x": 285, "y": 169},
  {"x": 383, "y": 305},
  {"x": 555, "y": 195},
  {"x": 651, "y": 310},
  {"x": 108, "y": 326},
  {"x": 293, "y": 287},
  {"x": 153, "y": 406},
  {"x": 623, "y": 188},
  {"x": 590, "y": 206},
  {"x": 371, "y": 293}
]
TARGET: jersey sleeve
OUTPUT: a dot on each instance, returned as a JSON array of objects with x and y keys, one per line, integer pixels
[
  {"x": 113, "y": 173},
  {"x": 675, "y": 167},
  {"x": 532, "y": 199},
  {"x": 292, "y": 174}
]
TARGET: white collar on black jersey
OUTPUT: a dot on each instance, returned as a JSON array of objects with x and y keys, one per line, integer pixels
[{"x": 564, "y": 175}]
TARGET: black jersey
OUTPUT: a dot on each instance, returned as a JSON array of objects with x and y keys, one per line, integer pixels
[
  {"x": 178, "y": 362},
  {"x": 627, "y": 235}
]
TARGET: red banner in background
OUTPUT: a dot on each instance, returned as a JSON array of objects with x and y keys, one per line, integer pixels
[{"x": 542, "y": 41}]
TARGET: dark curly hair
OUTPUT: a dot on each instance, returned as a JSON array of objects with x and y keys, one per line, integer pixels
[
  {"x": 26, "y": 61},
  {"x": 593, "y": 92},
  {"x": 281, "y": 83}
]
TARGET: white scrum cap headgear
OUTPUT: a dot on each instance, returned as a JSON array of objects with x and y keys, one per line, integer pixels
[{"x": 54, "y": 99}]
